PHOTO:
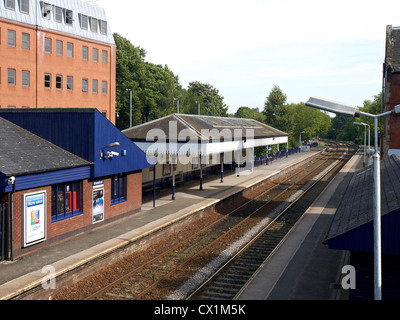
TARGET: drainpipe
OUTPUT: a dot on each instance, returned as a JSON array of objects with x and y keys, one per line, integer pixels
[{"x": 12, "y": 181}]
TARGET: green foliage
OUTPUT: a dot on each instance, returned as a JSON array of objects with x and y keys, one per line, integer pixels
[
  {"x": 154, "y": 88},
  {"x": 344, "y": 129},
  {"x": 211, "y": 102},
  {"x": 294, "y": 118},
  {"x": 250, "y": 113},
  {"x": 275, "y": 109}
]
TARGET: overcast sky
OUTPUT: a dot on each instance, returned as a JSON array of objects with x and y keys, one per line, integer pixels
[{"x": 308, "y": 48}]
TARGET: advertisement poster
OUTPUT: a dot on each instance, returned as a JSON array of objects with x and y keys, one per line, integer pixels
[
  {"x": 98, "y": 205},
  {"x": 34, "y": 218}
]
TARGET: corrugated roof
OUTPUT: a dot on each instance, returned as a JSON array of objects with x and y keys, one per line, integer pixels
[
  {"x": 24, "y": 153},
  {"x": 204, "y": 127},
  {"x": 356, "y": 208},
  {"x": 78, "y": 8}
]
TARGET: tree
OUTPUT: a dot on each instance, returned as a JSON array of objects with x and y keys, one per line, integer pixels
[
  {"x": 250, "y": 113},
  {"x": 301, "y": 119},
  {"x": 275, "y": 110},
  {"x": 154, "y": 87},
  {"x": 212, "y": 103}
]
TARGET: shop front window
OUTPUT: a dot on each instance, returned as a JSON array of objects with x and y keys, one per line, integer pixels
[
  {"x": 66, "y": 200},
  {"x": 118, "y": 186}
]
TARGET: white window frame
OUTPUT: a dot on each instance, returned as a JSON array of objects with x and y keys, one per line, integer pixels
[
  {"x": 11, "y": 74},
  {"x": 24, "y": 6},
  {"x": 59, "y": 49},
  {"x": 13, "y": 38},
  {"x": 47, "y": 81},
  {"x": 69, "y": 17},
  {"x": 85, "y": 85},
  {"x": 59, "y": 81},
  {"x": 103, "y": 27},
  {"x": 10, "y": 4},
  {"x": 85, "y": 53},
  {"x": 70, "y": 49},
  {"x": 94, "y": 25},
  {"x": 25, "y": 75},
  {"x": 70, "y": 82},
  {"x": 58, "y": 14},
  {"x": 47, "y": 42},
  {"x": 84, "y": 22},
  {"x": 26, "y": 41}
]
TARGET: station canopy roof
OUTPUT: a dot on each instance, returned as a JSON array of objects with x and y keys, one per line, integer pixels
[{"x": 195, "y": 134}]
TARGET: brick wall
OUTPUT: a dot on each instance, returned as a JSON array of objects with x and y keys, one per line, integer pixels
[
  {"x": 391, "y": 138},
  {"x": 38, "y": 63}
]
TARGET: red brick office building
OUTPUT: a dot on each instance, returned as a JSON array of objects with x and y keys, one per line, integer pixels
[{"x": 56, "y": 54}]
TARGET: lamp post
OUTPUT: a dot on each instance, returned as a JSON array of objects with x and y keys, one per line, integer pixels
[
  {"x": 337, "y": 107},
  {"x": 175, "y": 99},
  {"x": 365, "y": 136},
  {"x": 300, "y": 143},
  {"x": 198, "y": 103},
  {"x": 130, "y": 107}
]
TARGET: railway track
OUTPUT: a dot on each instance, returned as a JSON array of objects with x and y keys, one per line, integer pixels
[
  {"x": 228, "y": 280},
  {"x": 166, "y": 272}
]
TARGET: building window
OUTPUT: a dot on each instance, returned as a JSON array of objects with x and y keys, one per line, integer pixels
[
  {"x": 69, "y": 17},
  {"x": 46, "y": 13},
  {"x": 47, "y": 45},
  {"x": 10, "y": 4},
  {"x": 95, "y": 55},
  {"x": 11, "y": 38},
  {"x": 66, "y": 201},
  {"x": 84, "y": 85},
  {"x": 118, "y": 186},
  {"x": 26, "y": 41},
  {"x": 11, "y": 77},
  {"x": 103, "y": 27},
  {"x": 104, "y": 87},
  {"x": 70, "y": 50},
  {"x": 93, "y": 25},
  {"x": 25, "y": 78},
  {"x": 59, "y": 47},
  {"x": 84, "y": 22},
  {"x": 70, "y": 81},
  {"x": 24, "y": 6},
  {"x": 85, "y": 53},
  {"x": 95, "y": 85},
  {"x": 47, "y": 80},
  {"x": 105, "y": 56},
  {"x": 59, "y": 79},
  {"x": 58, "y": 14}
]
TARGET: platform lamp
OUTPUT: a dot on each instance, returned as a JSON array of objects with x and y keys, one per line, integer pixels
[
  {"x": 130, "y": 107},
  {"x": 198, "y": 103},
  {"x": 365, "y": 137},
  {"x": 109, "y": 154},
  {"x": 177, "y": 105},
  {"x": 338, "y": 107}
]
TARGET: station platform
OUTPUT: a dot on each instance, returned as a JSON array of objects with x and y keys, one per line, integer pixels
[
  {"x": 302, "y": 267},
  {"x": 19, "y": 276}
]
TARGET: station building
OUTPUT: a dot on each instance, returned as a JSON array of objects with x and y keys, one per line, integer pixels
[
  {"x": 190, "y": 147},
  {"x": 62, "y": 172},
  {"x": 56, "y": 54}
]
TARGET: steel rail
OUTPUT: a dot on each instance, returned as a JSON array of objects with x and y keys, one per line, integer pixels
[{"x": 257, "y": 236}]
